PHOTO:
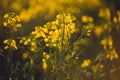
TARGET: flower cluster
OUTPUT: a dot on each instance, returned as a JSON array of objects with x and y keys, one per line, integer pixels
[
  {"x": 105, "y": 13},
  {"x": 107, "y": 42},
  {"x": 12, "y": 21},
  {"x": 39, "y": 32},
  {"x": 112, "y": 55},
  {"x": 60, "y": 30},
  {"x": 28, "y": 41},
  {"x": 57, "y": 32},
  {"x": 10, "y": 43}
]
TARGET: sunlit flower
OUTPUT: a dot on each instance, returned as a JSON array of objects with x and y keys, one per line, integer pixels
[
  {"x": 10, "y": 43},
  {"x": 86, "y": 63},
  {"x": 12, "y": 21}
]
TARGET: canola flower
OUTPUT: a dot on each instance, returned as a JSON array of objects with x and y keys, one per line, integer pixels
[
  {"x": 12, "y": 21},
  {"x": 10, "y": 43},
  {"x": 57, "y": 32},
  {"x": 86, "y": 19},
  {"x": 107, "y": 42},
  {"x": 46, "y": 56},
  {"x": 98, "y": 31},
  {"x": 105, "y": 13},
  {"x": 112, "y": 55},
  {"x": 86, "y": 63},
  {"x": 30, "y": 42}
]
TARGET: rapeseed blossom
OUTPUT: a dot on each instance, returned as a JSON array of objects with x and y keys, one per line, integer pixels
[
  {"x": 107, "y": 42},
  {"x": 31, "y": 42},
  {"x": 12, "y": 21},
  {"x": 10, "y": 43},
  {"x": 57, "y": 32},
  {"x": 86, "y": 63},
  {"x": 112, "y": 55}
]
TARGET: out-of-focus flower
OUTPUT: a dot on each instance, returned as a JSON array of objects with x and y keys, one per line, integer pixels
[
  {"x": 107, "y": 42},
  {"x": 97, "y": 67},
  {"x": 25, "y": 55},
  {"x": 98, "y": 31},
  {"x": 86, "y": 63},
  {"x": 46, "y": 55},
  {"x": 105, "y": 13},
  {"x": 44, "y": 64},
  {"x": 112, "y": 55},
  {"x": 86, "y": 19}
]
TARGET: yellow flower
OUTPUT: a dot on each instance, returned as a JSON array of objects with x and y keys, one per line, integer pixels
[
  {"x": 5, "y": 24},
  {"x": 110, "y": 42},
  {"x": 26, "y": 42},
  {"x": 105, "y": 13},
  {"x": 33, "y": 49},
  {"x": 90, "y": 19},
  {"x": 13, "y": 44},
  {"x": 12, "y": 20},
  {"x": 112, "y": 55},
  {"x": 46, "y": 39},
  {"x": 6, "y": 47},
  {"x": 86, "y": 63},
  {"x": 10, "y": 43},
  {"x": 98, "y": 31},
  {"x": 104, "y": 43},
  {"x": 5, "y": 41},
  {"x": 33, "y": 43},
  {"x": 45, "y": 30},
  {"x": 6, "y": 16},
  {"x": 44, "y": 64},
  {"x": 84, "y": 19},
  {"x": 115, "y": 20}
]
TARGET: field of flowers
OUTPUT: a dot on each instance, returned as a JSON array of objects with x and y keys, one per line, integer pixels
[{"x": 59, "y": 40}]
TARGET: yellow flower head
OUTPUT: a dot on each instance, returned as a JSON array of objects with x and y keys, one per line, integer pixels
[
  {"x": 112, "y": 55},
  {"x": 10, "y": 43},
  {"x": 12, "y": 21},
  {"x": 86, "y": 63}
]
